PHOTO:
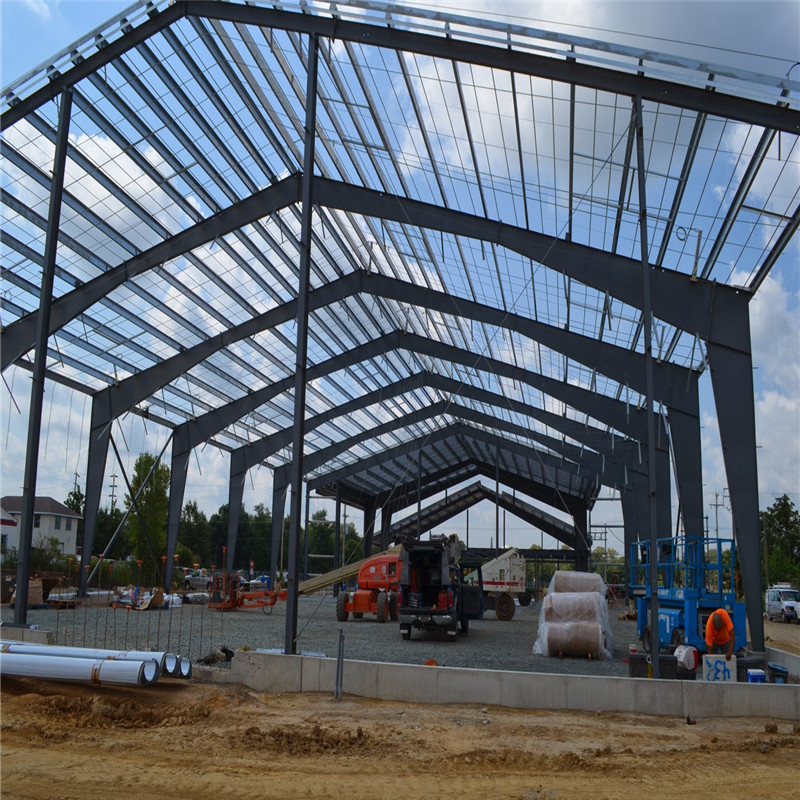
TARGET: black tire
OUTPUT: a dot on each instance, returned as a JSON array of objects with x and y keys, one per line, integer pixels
[
  {"x": 405, "y": 632},
  {"x": 393, "y": 615},
  {"x": 187, "y": 586},
  {"x": 464, "y": 625},
  {"x": 525, "y": 599},
  {"x": 677, "y": 637},
  {"x": 504, "y": 607},
  {"x": 783, "y": 617},
  {"x": 208, "y": 587},
  {"x": 341, "y": 607},
  {"x": 382, "y": 611},
  {"x": 646, "y": 639}
]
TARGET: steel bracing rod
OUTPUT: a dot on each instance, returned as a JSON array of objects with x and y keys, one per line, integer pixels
[
  {"x": 647, "y": 317},
  {"x": 40, "y": 361},
  {"x": 135, "y": 504},
  {"x": 125, "y": 516},
  {"x": 297, "y": 471}
]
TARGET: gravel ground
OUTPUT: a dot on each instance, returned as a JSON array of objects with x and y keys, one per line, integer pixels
[{"x": 194, "y": 631}]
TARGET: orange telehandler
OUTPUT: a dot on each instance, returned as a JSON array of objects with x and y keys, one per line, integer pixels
[{"x": 376, "y": 590}]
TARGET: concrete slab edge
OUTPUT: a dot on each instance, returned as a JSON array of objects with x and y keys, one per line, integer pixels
[{"x": 277, "y": 673}]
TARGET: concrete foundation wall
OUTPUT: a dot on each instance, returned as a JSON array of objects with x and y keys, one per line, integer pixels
[
  {"x": 24, "y": 633},
  {"x": 277, "y": 673}
]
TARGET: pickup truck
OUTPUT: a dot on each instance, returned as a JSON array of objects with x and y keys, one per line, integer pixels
[
  {"x": 434, "y": 596},
  {"x": 197, "y": 580}
]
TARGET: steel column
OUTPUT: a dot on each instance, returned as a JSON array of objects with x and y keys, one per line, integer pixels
[
  {"x": 295, "y": 505},
  {"x": 179, "y": 466},
  {"x": 647, "y": 318},
  {"x": 732, "y": 381},
  {"x": 40, "y": 361}
]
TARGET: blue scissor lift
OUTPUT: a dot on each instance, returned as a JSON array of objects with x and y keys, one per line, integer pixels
[{"x": 693, "y": 582}]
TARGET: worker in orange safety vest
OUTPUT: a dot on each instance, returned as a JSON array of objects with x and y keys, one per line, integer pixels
[{"x": 720, "y": 635}]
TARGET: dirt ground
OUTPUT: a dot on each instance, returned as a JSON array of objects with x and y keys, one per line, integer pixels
[{"x": 67, "y": 741}]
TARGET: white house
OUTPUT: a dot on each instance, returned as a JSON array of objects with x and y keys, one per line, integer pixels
[{"x": 51, "y": 519}]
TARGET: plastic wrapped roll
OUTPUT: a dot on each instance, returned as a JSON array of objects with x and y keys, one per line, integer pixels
[
  {"x": 582, "y": 639},
  {"x": 564, "y": 581},
  {"x": 575, "y": 606}
]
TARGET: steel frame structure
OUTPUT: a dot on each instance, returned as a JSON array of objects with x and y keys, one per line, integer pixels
[{"x": 382, "y": 250}]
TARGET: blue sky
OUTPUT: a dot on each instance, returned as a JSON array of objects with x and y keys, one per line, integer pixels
[{"x": 759, "y": 36}]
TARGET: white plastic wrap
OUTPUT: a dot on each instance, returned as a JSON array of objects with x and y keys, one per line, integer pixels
[
  {"x": 565, "y": 581},
  {"x": 576, "y": 638},
  {"x": 573, "y": 618},
  {"x": 566, "y": 606}
]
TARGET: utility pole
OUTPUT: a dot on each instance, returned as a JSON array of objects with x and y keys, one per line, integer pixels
[{"x": 113, "y": 490}]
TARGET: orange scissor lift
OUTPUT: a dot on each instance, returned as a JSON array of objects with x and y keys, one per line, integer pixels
[{"x": 228, "y": 593}]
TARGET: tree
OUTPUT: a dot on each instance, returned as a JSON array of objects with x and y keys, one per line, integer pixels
[
  {"x": 780, "y": 540},
  {"x": 76, "y": 501},
  {"x": 148, "y": 525},
  {"x": 195, "y": 533},
  {"x": 219, "y": 535},
  {"x": 108, "y": 521}
]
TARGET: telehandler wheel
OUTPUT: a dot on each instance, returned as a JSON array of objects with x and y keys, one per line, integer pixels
[
  {"x": 393, "y": 615},
  {"x": 341, "y": 607},
  {"x": 525, "y": 599},
  {"x": 504, "y": 607},
  {"x": 382, "y": 610}
]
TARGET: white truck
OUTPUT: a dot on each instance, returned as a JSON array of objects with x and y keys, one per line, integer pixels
[
  {"x": 503, "y": 582},
  {"x": 782, "y": 601}
]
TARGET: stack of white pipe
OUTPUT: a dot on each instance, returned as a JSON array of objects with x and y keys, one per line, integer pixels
[{"x": 47, "y": 661}]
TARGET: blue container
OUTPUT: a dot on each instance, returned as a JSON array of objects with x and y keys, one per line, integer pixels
[
  {"x": 756, "y": 676},
  {"x": 777, "y": 673}
]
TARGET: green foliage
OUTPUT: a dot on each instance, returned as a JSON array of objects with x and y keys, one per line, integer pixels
[
  {"x": 108, "y": 520},
  {"x": 76, "y": 501},
  {"x": 194, "y": 536},
  {"x": 148, "y": 525},
  {"x": 46, "y": 555},
  {"x": 780, "y": 539}
]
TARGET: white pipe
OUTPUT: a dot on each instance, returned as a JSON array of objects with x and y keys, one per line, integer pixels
[
  {"x": 167, "y": 662},
  {"x": 66, "y": 668}
]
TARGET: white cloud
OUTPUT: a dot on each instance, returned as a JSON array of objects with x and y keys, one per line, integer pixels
[{"x": 39, "y": 7}]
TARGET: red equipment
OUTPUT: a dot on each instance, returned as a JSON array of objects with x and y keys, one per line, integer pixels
[
  {"x": 377, "y": 590},
  {"x": 229, "y": 592}
]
